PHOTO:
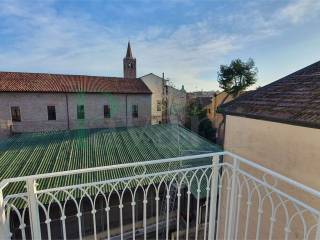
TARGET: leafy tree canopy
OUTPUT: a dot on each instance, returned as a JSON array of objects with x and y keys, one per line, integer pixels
[
  {"x": 237, "y": 76},
  {"x": 195, "y": 110}
]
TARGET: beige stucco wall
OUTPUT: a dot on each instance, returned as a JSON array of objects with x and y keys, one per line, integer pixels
[
  {"x": 156, "y": 85},
  {"x": 218, "y": 99},
  {"x": 292, "y": 151},
  {"x": 176, "y": 100},
  {"x": 34, "y": 116}
]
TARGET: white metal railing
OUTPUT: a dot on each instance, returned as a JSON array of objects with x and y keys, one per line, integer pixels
[{"x": 206, "y": 196}]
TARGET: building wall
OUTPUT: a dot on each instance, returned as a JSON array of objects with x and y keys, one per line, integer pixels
[
  {"x": 156, "y": 85},
  {"x": 177, "y": 102},
  {"x": 217, "y": 118},
  {"x": 292, "y": 151},
  {"x": 217, "y": 100},
  {"x": 34, "y": 116}
]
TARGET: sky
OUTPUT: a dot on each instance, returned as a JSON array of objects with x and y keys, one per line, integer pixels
[{"x": 186, "y": 39}]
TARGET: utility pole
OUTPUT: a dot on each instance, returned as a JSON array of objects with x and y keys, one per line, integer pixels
[{"x": 164, "y": 100}]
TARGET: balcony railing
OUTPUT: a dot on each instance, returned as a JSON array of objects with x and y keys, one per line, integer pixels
[{"x": 207, "y": 196}]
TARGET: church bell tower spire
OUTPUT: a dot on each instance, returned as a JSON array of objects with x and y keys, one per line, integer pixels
[{"x": 129, "y": 64}]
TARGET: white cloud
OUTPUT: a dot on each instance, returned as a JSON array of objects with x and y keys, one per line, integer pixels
[{"x": 301, "y": 10}]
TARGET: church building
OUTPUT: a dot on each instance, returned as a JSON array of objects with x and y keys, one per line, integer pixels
[{"x": 34, "y": 102}]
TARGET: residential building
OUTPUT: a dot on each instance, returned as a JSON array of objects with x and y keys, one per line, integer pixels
[
  {"x": 176, "y": 102},
  {"x": 200, "y": 94},
  {"x": 32, "y": 102},
  {"x": 202, "y": 100},
  {"x": 158, "y": 87},
  {"x": 168, "y": 103},
  {"x": 216, "y": 117},
  {"x": 278, "y": 126},
  {"x": 199, "y": 110}
]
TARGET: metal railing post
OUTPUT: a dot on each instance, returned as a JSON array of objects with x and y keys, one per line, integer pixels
[
  {"x": 4, "y": 226},
  {"x": 33, "y": 209},
  {"x": 318, "y": 229},
  {"x": 233, "y": 200},
  {"x": 213, "y": 197}
]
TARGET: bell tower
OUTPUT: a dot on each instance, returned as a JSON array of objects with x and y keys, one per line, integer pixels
[{"x": 129, "y": 64}]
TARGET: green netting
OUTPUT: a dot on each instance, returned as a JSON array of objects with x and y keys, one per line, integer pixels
[{"x": 37, "y": 153}]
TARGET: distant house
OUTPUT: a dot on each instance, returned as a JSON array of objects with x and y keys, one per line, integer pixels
[
  {"x": 168, "y": 103},
  {"x": 200, "y": 94},
  {"x": 177, "y": 102},
  {"x": 33, "y": 102},
  {"x": 199, "y": 116},
  {"x": 208, "y": 106},
  {"x": 278, "y": 125},
  {"x": 217, "y": 118}
]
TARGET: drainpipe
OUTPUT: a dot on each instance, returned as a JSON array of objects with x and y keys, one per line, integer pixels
[
  {"x": 224, "y": 130},
  {"x": 126, "y": 110},
  {"x": 163, "y": 99},
  {"x": 67, "y": 104},
  {"x": 215, "y": 98}
]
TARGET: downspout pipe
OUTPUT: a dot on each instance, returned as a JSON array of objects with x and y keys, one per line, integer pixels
[
  {"x": 126, "y": 110},
  {"x": 67, "y": 104}
]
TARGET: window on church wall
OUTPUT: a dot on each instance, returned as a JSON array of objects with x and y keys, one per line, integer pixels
[
  {"x": 15, "y": 114},
  {"x": 51, "y": 113},
  {"x": 134, "y": 111},
  {"x": 106, "y": 111},
  {"x": 80, "y": 112},
  {"x": 159, "y": 105}
]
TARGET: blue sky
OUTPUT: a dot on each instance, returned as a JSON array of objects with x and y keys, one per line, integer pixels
[{"x": 186, "y": 39}]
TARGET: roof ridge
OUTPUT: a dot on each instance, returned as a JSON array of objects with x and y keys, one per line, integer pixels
[
  {"x": 66, "y": 74},
  {"x": 52, "y": 82},
  {"x": 305, "y": 68},
  {"x": 305, "y": 75}
]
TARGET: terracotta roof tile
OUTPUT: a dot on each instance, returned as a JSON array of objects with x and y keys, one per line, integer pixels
[
  {"x": 294, "y": 99},
  {"x": 44, "y": 82}
]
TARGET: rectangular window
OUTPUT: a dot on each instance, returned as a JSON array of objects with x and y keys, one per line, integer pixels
[
  {"x": 80, "y": 111},
  {"x": 106, "y": 111},
  {"x": 159, "y": 105},
  {"x": 15, "y": 114},
  {"x": 51, "y": 112},
  {"x": 134, "y": 111}
]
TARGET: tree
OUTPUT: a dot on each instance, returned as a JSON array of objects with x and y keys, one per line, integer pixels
[
  {"x": 206, "y": 130},
  {"x": 238, "y": 76},
  {"x": 194, "y": 110}
]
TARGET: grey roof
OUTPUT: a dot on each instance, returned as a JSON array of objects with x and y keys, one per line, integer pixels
[{"x": 294, "y": 99}]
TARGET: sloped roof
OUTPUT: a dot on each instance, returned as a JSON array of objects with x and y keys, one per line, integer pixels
[
  {"x": 45, "y": 82},
  {"x": 294, "y": 99},
  {"x": 37, "y": 153}
]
